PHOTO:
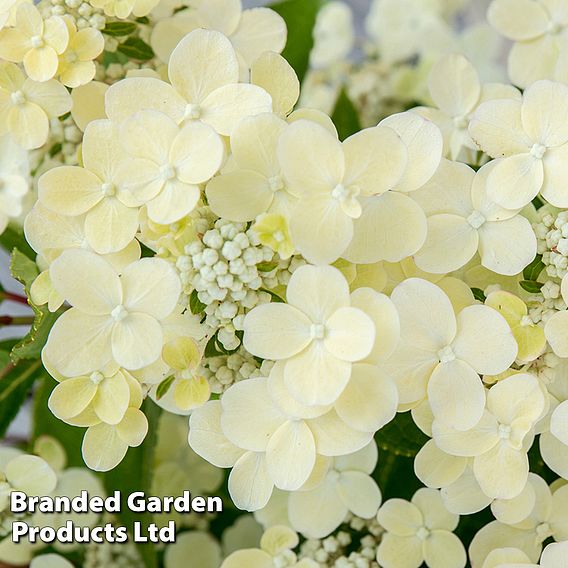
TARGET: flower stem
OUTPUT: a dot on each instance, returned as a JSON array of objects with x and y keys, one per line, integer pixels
[
  {"x": 13, "y": 297},
  {"x": 16, "y": 320}
]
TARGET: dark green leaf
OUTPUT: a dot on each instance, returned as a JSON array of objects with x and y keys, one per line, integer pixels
[
  {"x": 119, "y": 28},
  {"x": 55, "y": 149},
  {"x": 143, "y": 20},
  {"x": 135, "y": 48},
  {"x": 401, "y": 436},
  {"x": 25, "y": 271},
  {"x": 212, "y": 348},
  {"x": 538, "y": 202},
  {"x": 11, "y": 239},
  {"x": 531, "y": 286},
  {"x": 16, "y": 382},
  {"x": 533, "y": 270},
  {"x": 164, "y": 386},
  {"x": 345, "y": 116},
  {"x": 110, "y": 57},
  {"x": 274, "y": 295},
  {"x": 478, "y": 294},
  {"x": 300, "y": 18},
  {"x": 134, "y": 473},
  {"x": 195, "y": 304},
  {"x": 147, "y": 252},
  {"x": 267, "y": 266}
]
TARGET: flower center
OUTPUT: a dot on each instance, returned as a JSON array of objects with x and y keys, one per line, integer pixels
[
  {"x": 167, "y": 172},
  {"x": 119, "y": 313},
  {"x": 446, "y": 354},
  {"x": 461, "y": 122},
  {"x": 342, "y": 193},
  {"x": 543, "y": 531},
  {"x": 192, "y": 112},
  {"x": 279, "y": 236},
  {"x": 476, "y": 219},
  {"x": 18, "y": 98},
  {"x": 97, "y": 377},
  {"x": 317, "y": 331},
  {"x": 276, "y": 183},
  {"x": 108, "y": 189},
  {"x": 554, "y": 28},
  {"x": 37, "y": 42},
  {"x": 71, "y": 57},
  {"x": 538, "y": 151},
  {"x": 422, "y": 533},
  {"x": 504, "y": 431},
  {"x": 526, "y": 321}
]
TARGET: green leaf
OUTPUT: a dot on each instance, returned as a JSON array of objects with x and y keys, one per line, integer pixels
[
  {"x": 134, "y": 473},
  {"x": 135, "y": 48},
  {"x": 196, "y": 306},
  {"x": 531, "y": 286},
  {"x": 212, "y": 348},
  {"x": 274, "y": 295},
  {"x": 16, "y": 382},
  {"x": 478, "y": 294},
  {"x": 25, "y": 271},
  {"x": 110, "y": 57},
  {"x": 118, "y": 29},
  {"x": 345, "y": 116},
  {"x": 164, "y": 386},
  {"x": 533, "y": 270},
  {"x": 300, "y": 18},
  {"x": 11, "y": 239},
  {"x": 401, "y": 436},
  {"x": 143, "y": 20},
  {"x": 267, "y": 266}
]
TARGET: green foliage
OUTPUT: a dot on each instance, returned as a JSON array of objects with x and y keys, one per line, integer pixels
[
  {"x": 164, "y": 386},
  {"x": 533, "y": 270},
  {"x": 196, "y": 306},
  {"x": 16, "y": 382},
  {"x": 266, "y": 266},
  {"x": 11, "y": 239},
  {"x": 300, "y": 17},
  {"x": 345, "y": 116},
  {"x": 135, "y": 48},
  {"x": 401, "y": 436},
  {"x": 274, "y": 296},
  {"x": 531, "y": 286},
  {"x": 478, "y": 294},
  {"x": 134, "y": 473},
  {"x": 25, "y": 271},
  {"x": 119, "y": 29},
  {"x": 114, "y": 57}
]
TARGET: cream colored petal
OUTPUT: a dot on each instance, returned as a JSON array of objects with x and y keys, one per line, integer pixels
[
  {"x": 110, "y": 226},
  {"x": 476, "y": 441},
  {"x": 50, "y": 561},
  {"x": 29, "y": 20},
  {"x": 556, "y": 331},
  {"x": 206, "y": 437},
  {"x": 315, "y": 376},
  {"x": 364, "y": 460},
  {"x": 240, "y": 195},
  {"x": 456, "y": 395},
  {"x": 554, "y": 554},
  {"x": 175, "y": 201},
  {"x": 502, "y": 471},
  {"x": 291, "y": 455},
  {"x": 86, "y": 281},
  {"x": 464, "y": 496},
  {"x": 379, "y": 233},
  {"x": 436, "y": 468},
  {"x": 136, "y": 341},
  {"x": 545, "y": 113},
  {"x": 197, "y": 153},
  {"x": 133, "y": 428},
  {"x": 204, "y": 550},
  {"x": 360, "y": 493},
  {"x": 454, "y": 85},
  {"x": 400, "y": 552},
  {"x": 554, "y": 453},
  {"x": 250, "y": 485},
  {"x": 320, "y": 228},
  {"x": 151, "y": 286},
  {"x": 277, "y": 77},
  {"x": 189, "y": 394},
  {"x": 14, "y": 44},
  {"x": 70, "y": 397},
  {"x": 30, "y": 474},
  {"x": 451, "y": 243},
  {"x": 518, "y": 20},
  {"x": 80, "y": 73},
  {"x": 512, "y": 511},
  {"x": 424, "y": 143},
  {"x": 350, "y": 334},
  {"x": 369, "y": 401},
  {"x": 276, "y": 331},
  {"x": 553, "y": 188},
  {"x": 70, "y": 190},
  {"x": 436, "y": 515},
  {"x": 533, "y": 60},
  {"x": 41, "y": 63},
  {"x": 334, "y": 438},
  {"x": 497, "y": 128},
  {"x": 56, "y": 34},
  {"x": 101, "y": 151},
  {"x": 559, "y": 422},
  {"x": 375, "y": 160},
  {"x": 427, "y": 320},
  {"x": 28, "y": 125},
  {"x": 444, "y": 549},
  {"x": 131, "y": 95},
  {"x": 213, "y": 65},
  {"x": 249, "y": 417},
  {"x": 241, "y": 558},
  {"x": 102, "y": 447},
  {"x": 259, "y": 30},
  {"x": 112, "y": 399},
  {"x": 484, "y": 340},
  {"x": 88, "y": 103},
  {"x": 400, "y": 517}
]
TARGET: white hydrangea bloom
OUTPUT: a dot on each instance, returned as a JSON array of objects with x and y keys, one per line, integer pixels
[
  {"x": 113, "y": 317},
  {"x": 50, "y": 560},
  {"x": 317, "y": 333},
  {"x": 437, "y": 347},
  {"x": 532, "y": 138},
  {"x": 204, "y": 75},
  {"x": 465, "y": 220},
  {"x": 193, "y": 549},
  {"x": 14, "y": 184},
  {"x": 419, "y": 531},
  {"x": 556, "y": 327},
  {"x": 498, "y": 442},
  {"x": 457, "y": 91}
]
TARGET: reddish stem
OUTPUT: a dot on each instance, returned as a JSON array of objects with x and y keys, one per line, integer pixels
[{"x": 14, "y": 298}]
